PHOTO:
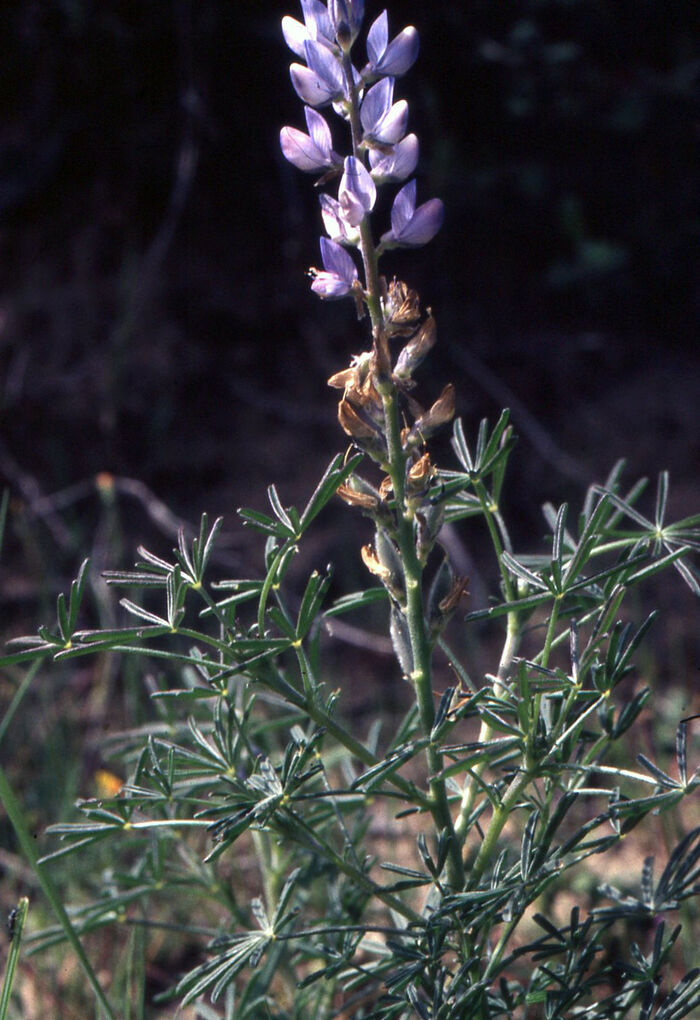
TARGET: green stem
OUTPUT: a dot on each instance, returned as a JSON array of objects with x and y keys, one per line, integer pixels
[
  {"x": 19, "y": 916},
  {"x": 498, "y": 821},
  {"x": 513, "y": 635},
  {"x": 18, "y": 696},
  {"x": 490, "y": 511},
  {"x": 14, "y": 813},
  {"x": 359, "y": 877},
  {"x": 543, "y": 657},
  {"x": 413, "y": 571},
  {"x": 421, "y": 676},
  {"x": 471, "y": 786}
]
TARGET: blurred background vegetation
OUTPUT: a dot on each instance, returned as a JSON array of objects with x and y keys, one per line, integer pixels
[{"x": 160, "y": 352}]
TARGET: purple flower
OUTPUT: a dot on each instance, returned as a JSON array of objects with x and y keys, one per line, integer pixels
[
  {"x": 382, "y": 119},
  {"x": 357, "y": 193},
  {"x": 322, "y": 81},
  {"x": 346, "y": 17},
  {"x": 317, "y": 27},
  {"x": 396, "y": 165},
  {"x": 336, "y": 227},
  {"x": 411, "y": 227},
  {"x": 339, "y": 274},
  {"x": 393, "y": 57},
  {"x": 313, "y": 151}
]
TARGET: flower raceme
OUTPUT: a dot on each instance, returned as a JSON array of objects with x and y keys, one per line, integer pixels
[{"x": 380, "y": 153}]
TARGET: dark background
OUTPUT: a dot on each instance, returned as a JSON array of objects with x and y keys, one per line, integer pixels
[{"x": 155, "y": 319}]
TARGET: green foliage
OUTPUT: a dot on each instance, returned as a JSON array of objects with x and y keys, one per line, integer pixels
[{"x": 255, "y": 753}]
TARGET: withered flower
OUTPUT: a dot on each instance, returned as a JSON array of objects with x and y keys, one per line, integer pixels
[
  {"x": 416, "y": 349},
  {"x": 402, "y": 309},
  {"x": 454, "y": 596},
  {"x": 355, "y": 376},
  {"x": 365, "y": 500},
  {"x": 340, "y": 380},
  {"x": 439, "y": 414},
  {"x": 381, "y": 359},
  {"x": 371, "y": 561},
  {"x": 354, "y": 425},
  {"x": 386, "y": 487},
  {"x": 419, "y": 474}
]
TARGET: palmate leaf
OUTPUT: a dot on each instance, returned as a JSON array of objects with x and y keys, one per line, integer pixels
[
  {"x": 234, "y": 952},
  {"x": 490, "y": 450},
  {"x": 216, "y": 974}
]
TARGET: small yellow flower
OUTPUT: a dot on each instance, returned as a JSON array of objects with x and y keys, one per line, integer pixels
[{"x": 108, "y": 784}]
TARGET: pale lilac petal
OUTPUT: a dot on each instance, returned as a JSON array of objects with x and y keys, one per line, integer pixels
[
  {"x": 339, "y": 274},
  {"x": 300, "y": 150},
  {"x": 336, "y": 260},
  {"x": 397, "y": 165},
  {"x": 403, "y": 208},
  {"x": 347, "y": 12},
  {"x": 336, "y": 227},
  {"x": 317, "y": 21},
  {"x": 400, "y": 54},
  {"x": 327, "y": 67},
  {"x": 319, "y": 132},
  {"x": 392, "y": 127},
  {"x": 425, "y": 223},
  {"x": 357, "y": 193},
  {"x": 377, "y": 39},
  {"x": 295, "y": 35},
  {"x": 308, "y": 86},
  {"x": 393, "y": 57},
  {"x": 376, "y": 104},
  {"x": 411, "y": 227},
  {"x": 328, "y": 285}
]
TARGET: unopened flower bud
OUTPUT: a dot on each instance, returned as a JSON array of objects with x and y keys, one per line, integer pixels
[{"x": 346, "y": 18}]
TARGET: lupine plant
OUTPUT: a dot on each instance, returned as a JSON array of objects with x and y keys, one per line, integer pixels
[{"x": 504, "y": 787}]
